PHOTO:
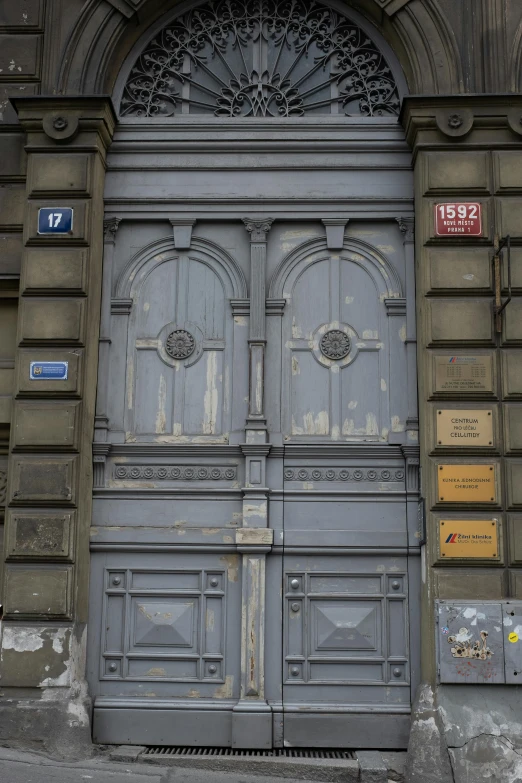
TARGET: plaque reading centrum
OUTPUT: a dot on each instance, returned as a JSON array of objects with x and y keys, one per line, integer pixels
[
  {"x": 468, "y": 538},
  {"x": 466, "y": 483},
  {"x": 464, "y": 428},
  {"x": 463, "y": 373}
]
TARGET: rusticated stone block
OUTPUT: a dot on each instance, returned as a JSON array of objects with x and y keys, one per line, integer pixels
[
  {"x": 513, "y": 428},
  {"x": 43, "y": 388},
  {"x": 508, "y": 170},
  {"x": 12, "y": 202},
  {"x": 512, "y": 319},
  {"x": 459, "y": 268},
  {"x": 69, "y": 174},
  {"x": 19, "y": 55},
  {"x": 46, "y": 425},
  {"x": 471, "y": 583},
  {"x": 458, "y": 171},
  {"x": 10, "y": 254},
  {"x": 43, "y": 480},
  {"x": 35, "y": 656},
  {"x": 80, "y": 225},
  {"x": 61, "y": 270},
  {"x": 58, "y": 320},
  {"x": 13, "y": 159},
  {"x": 460, "y": 321},
  {"x": 514, "y": 483},
  {"x": 38, "y": 592},
  {"x": 510, "y": 217},
  {"x": 39, "y": 535}
]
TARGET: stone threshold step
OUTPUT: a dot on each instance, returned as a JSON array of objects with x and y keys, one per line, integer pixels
[{"x": 364, "y": 766}]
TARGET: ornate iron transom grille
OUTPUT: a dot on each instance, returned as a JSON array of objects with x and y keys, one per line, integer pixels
[{"x": 260, "y": 58}]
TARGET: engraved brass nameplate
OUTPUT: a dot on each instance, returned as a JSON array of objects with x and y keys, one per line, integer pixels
[
  {"x": 466, "y": 483},
  {"x": 464, "y": 428},
  {"x": 468, "y": 538},
  {"x": 463, "y": 373}
]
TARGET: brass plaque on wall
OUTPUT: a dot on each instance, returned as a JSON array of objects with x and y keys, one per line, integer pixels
[
  {"x": 463, "y": 373},
  {"x": 464, "y": 428},
  {"x": 468, "y": 538},
  {"x": 466, "y": 483}
]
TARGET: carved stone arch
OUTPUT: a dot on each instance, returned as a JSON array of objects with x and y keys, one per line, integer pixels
[
  {"x": 107, "y": 30},
  {"x": 515, "y": 64},
  {"x": 375, "y": 264},
  {"x": 209, "y": 253}
]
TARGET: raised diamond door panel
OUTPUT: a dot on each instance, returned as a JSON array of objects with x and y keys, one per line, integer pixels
[
  {"x": 346, "y": 631},
  {"x": 168, "y": 624}
]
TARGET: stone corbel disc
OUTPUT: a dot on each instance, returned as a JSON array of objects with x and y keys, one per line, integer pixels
[
  {"x": 61, "y": 126},
  {"x": 454, "y": 122}
]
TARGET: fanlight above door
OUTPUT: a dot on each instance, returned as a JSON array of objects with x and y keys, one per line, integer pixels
[{"x": 260, "y": 58}]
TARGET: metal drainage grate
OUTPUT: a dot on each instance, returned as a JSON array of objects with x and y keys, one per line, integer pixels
[{"x": 288, "y": 753}]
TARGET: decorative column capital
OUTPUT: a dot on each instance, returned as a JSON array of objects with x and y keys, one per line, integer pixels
[
  {"x": 110, "y": 227},
  {"x": 258, "y": 229},
  {"x": 407, "y": 227}
]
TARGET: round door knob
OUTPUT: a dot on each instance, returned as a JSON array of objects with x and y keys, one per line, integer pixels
[
  {"x": 294, "y": 584},
  {"x": 295, "y": 607},
  {"x": 113, "y": 667},
  {"x": 212, "y": 669},
  {"x": 396, "y": 585},
  {"x": 294, "y": 671},
  {"x": 116, "y": 580},
  {"x": 214, "y": 582},
  {"x": 397, "y": 672}
]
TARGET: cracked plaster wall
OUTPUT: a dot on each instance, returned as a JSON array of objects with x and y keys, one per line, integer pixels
[{"x": 482, "y": 726}]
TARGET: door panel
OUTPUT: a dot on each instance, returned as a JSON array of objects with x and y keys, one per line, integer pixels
[
  {"x": 336, "y": 342},
  {"x": 170, "y": 582}
]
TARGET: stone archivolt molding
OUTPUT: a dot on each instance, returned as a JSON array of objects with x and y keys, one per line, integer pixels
[{"x": 105, "y": 31}]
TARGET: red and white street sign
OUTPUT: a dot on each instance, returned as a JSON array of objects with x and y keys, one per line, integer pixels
[{"x": 461, "y": 219}]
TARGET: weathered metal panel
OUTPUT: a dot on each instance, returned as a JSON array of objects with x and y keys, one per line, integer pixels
[{"x": 470, "y": 642}]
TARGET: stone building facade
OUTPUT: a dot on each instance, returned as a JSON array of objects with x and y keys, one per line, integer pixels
[{"x": 265, "y": 378}]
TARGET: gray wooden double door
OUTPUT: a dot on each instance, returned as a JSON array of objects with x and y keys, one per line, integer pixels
[{"x": 254, "y": 543}]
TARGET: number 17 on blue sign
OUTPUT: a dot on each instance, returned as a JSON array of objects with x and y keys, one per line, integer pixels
[{"x": 55, "y": 220}]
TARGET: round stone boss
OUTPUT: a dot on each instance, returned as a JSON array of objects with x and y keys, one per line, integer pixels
[
  {"x": 335, "y": 344},
  {"x": 180, "y": 344}
]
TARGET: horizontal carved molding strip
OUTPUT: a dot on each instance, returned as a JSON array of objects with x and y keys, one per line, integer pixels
[
  {"x": 342, "y": 474},
  {"x": 175, "y": 472}
]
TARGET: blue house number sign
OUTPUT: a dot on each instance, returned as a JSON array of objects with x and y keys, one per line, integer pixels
[{"x": 55, "y": 220}]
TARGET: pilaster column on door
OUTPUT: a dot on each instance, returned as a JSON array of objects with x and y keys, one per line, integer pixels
[
  {"x": 101, "y": 419},
  {"x": 252, "y": 716},
  {"x": 407, "y": 227},
  {"x": 412, "y": 479},
  {"x": 258, "y": 229}
]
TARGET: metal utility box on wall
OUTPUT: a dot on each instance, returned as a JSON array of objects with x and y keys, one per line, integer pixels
[{"x": 479, "y": 643}]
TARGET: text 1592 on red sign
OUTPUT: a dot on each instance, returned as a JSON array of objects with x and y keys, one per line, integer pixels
[{"x": 464, "y": 219}]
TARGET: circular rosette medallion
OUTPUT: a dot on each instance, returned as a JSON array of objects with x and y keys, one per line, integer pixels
[
  {"x": 335, "y": 344},
  {"x": 180, "y": 344}
]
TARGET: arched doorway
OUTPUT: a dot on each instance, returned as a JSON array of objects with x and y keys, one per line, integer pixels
[{"x": 255, "y": 569}]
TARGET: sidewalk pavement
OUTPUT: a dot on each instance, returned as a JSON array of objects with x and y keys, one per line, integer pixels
[
  {"x": 22, "y": 767},
  {"x": 122, "y": 765}
]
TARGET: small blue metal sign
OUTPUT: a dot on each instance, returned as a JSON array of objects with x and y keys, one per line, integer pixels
[
  {"x": 55, "y": 220},
  {"x": 48, "y": 371}
]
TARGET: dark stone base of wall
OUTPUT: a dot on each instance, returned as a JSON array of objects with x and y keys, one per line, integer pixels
[{"x": 57, "y": 728}]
